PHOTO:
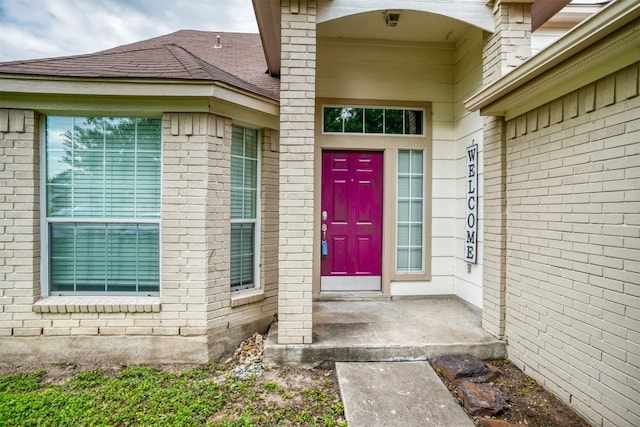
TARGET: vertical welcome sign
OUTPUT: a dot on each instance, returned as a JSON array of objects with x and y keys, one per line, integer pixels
[{"x": 471, "y": 219}]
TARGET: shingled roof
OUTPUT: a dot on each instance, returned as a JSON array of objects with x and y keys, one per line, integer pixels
[{"x": 235, "y": 59}]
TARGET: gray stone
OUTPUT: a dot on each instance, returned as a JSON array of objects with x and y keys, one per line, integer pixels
[
  {"x": 464, "y": 367},
  {"x": 244, "y": 372},
  {"x": 482, "y": 399}
]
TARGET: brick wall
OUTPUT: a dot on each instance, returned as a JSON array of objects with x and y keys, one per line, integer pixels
[
  {"x": 196, "y": 318},
  {"x": 297, "y": 105},
  {"x": 504, "y": 49},
  {"x": 510, "y": 44},
  {"x": 494, "y": 231},
  {"x": 19, "y": 223},
  {"x": 573, "y": 247}
]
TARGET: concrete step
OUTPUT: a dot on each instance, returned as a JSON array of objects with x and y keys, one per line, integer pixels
[
  {"x": 379, "y": 331},
  {"x": 327, "y": 353},
  {"x": 403, "y": 394}
]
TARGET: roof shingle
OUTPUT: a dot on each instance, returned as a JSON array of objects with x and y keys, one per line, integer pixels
[{"x": 183, "y": 55}]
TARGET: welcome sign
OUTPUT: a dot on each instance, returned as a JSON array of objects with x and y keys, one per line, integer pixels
[{"x": 471, "y": 218}]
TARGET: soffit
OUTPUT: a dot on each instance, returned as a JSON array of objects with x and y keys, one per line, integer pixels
[
  {"x": 472, "y": 12},
  {"x": 413, "y": 26},
  {"x": 542, "y": 11}
]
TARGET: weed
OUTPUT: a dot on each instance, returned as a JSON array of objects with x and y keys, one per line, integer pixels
[
  {"x": 142, "y": 395},
  {"x": 272, "y": 386}
]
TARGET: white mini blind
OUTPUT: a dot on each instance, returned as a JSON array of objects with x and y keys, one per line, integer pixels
[
  {"x": 103, "y": 204},
  {"x": 244, "y": 206}
]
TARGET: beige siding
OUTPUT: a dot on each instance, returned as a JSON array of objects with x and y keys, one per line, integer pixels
[
  {"x": 468, "y": 79},
  {"x": 406, "y": 71},
  {"x": 573, "y": 245}
]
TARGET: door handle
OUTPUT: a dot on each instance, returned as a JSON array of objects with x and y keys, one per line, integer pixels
[{"x": 324, "y": 246}]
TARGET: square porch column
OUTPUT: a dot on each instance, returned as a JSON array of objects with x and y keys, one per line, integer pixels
[
  {"x": 297, "y": 118},
  {"x": 503, "y": 50}
]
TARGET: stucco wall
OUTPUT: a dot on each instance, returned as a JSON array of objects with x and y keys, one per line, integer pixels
[
  {"x": 195, "y": 318},
  {"x": 573, "y": 247}
]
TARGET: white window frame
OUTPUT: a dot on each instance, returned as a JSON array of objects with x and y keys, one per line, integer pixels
[
  {"x": 45, "y": 221},
  {"x": 257, "y": 221}
]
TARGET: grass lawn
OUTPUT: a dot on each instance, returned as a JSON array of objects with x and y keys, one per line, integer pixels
[{"x": 140, "y": 395}]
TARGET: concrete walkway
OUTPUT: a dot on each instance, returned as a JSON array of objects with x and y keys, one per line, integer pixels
[
  {"x": 392, "y": 394},
  {"x": 389, "y": 394}
]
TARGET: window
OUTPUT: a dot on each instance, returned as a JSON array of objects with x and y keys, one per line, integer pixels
[
  {"x": 244, "y": 208},
  {"x": 102, "y": 197},
  {"x": 410, "y": 240},
  {"x": 375, "y": 120}
]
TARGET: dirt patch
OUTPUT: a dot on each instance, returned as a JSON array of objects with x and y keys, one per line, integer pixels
[
  {"x": 298, "y": 396},
  {"x": 528, "y": 403},
  {"x": 249, "y": 392}
]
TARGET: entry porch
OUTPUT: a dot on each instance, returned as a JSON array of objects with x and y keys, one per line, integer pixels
[{"x": 389, "y": 329}]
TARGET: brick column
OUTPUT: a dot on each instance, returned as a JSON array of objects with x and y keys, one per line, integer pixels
[
  {"x": 297, "y": 105},
  {"x": 19, "y": 222},
  {"x": 503, "y": 50},
  {"x": 494, "y": 226},
  {"x": 195, "y": 221}
]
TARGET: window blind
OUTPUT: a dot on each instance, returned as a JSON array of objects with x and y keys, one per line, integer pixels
[
  {"x": 244, "y": 191},
  {"x": 103, "y": 204}
]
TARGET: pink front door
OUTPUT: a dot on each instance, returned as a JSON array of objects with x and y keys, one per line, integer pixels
[{"x": 352, "y": 213}]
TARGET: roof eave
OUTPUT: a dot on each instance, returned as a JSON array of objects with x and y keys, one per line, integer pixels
[
  {"x": 268, "y": 17},
  {"x": 187, "y": 95},
  {"x": 612, "y": 18}
]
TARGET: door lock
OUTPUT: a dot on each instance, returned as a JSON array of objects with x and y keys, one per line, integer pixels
[{"x": 324, "y": 215}]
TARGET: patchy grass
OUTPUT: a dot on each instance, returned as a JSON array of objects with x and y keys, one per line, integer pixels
[{"x": 142, "y": 395}]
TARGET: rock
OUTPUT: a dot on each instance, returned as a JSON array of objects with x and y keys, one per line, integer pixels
[
  {"x": 482, "y": 399},
  {"x": 464, "y": 367},
  {"x": 244, "y": 372},
  {"x": 250, "y": 350},
  {"x": 491, "y": 422}
]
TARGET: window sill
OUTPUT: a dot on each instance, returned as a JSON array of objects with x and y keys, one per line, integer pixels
[
  {"x": 246, "y": 297},
  {"x": 97, "y": 304}
]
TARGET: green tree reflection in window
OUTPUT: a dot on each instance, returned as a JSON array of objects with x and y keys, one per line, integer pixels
[{"x": 373, "y": 120}]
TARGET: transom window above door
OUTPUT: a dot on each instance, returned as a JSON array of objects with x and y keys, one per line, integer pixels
[{"x": 372, "y": 120}]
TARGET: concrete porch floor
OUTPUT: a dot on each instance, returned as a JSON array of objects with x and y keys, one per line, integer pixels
[{"x": 400, "y": 329}]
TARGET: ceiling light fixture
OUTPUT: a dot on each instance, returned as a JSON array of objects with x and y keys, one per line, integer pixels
[{"x": 391, "y": 18}]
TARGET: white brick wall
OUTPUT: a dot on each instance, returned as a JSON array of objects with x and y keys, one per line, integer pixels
[{"x": 573, "y": 245}]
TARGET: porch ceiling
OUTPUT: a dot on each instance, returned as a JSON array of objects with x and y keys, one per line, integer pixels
[{"x": 414, "y": 26}]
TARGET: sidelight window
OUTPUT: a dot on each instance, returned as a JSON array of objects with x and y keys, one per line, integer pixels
[{"x": 410, "y": 208}]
